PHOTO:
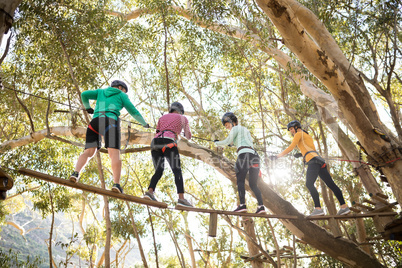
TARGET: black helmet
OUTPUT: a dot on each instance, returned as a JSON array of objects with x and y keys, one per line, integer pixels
[
  {"x": 296, "y": 124},
  {"x": 176, "y": 106},
  {"x": 117, "y": 83},
  {"x": 229, "y": 117}
]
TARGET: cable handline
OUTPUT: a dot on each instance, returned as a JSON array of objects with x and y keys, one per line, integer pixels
[
  {"x": 195, "y": 137},
  {"x": 82, "y": 109}
]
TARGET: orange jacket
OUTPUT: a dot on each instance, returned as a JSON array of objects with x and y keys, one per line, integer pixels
[{"x": 304, "y": 142}]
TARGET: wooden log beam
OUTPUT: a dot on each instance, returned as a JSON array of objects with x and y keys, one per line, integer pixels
[
  {"x": 352, "y": 216},
  {"x": 225, "y": 212},
  {"x": 325, "y": 217},
  {"x": 365, "y": 200},
  {"x": 213, "y": 224},
  {"x": 379, "y": 199},
  {"x": 361, "y": 205},
  {"x": 92, "y": 189},
  {"x": 355, "y": 209}
]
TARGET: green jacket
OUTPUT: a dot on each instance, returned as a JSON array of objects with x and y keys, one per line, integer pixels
[{"x": 109, "y": 102}]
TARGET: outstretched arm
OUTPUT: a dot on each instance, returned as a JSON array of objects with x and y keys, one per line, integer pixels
[
  {"x": 133, "y": 111},
  {"x": 229, "y": 139},
  {"x": 88, "y": 95},
  {"x": 291, "y": 146}
]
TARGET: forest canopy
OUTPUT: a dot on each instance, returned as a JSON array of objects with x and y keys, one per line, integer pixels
[{"x": 332, "y": 65}]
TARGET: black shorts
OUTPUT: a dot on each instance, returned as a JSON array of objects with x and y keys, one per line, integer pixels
[{"x": 106, "y": 127}]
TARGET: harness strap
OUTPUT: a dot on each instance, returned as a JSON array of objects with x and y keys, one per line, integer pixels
[
  {"x": 106, "y": 130},
  {"x": 91, "y": 128},
  {"x": 304, "y": 156},
  {"x": 104, "y": 113},
  {"x": 257, "y": 166},
  {"x": 166, "y": 130},
  {"x": 245, "y": 147},
  {"x": 169, "y": 145}
]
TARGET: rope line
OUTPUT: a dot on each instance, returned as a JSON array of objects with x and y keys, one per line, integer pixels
[{"x": 195, "y": 137}]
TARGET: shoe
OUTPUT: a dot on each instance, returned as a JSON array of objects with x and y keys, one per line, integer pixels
[
  {"x": 344, "y": 211},
  {"x": 150, "y": 196},
  {"x": 241, "y": 208},
  {"x": 75, "y": 176},
  {"x": 184, "y": 203},
  {"x": 317, "y": 212},
  {"x": 261, "y": 210},
  {"x": 117, "y": 188}
]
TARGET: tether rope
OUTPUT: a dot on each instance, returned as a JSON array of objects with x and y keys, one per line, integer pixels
[{"x": 195, "y": 137}]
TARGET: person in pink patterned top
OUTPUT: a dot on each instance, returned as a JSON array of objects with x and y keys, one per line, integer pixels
[{"x": 164, "y": 145}]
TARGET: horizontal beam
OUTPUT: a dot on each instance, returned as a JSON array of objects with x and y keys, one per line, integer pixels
[
  {"x": 143, "y": 201},
  {"x": 287, "y": 217},
  {"x": 225, "y": 212},
  {"x": 92, "y": 189},
  {"x": 352, "y": 216}
]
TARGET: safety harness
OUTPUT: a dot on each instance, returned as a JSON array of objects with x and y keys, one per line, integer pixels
[
  {"x": 108, "y": 127},
  {"x": 169, "y": 145},
  {"x": 254, "y": 165},
  {"x": 318, "y": 159}
]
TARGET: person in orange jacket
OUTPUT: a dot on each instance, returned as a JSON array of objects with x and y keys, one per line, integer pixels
[{"x": 316, "y": 167}]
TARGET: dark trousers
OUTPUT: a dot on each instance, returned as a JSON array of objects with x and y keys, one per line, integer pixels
[
  {"x": 248, "y": 163},
  {"x": 314, "y": 170},
  {"x": 160, "y": 152}
]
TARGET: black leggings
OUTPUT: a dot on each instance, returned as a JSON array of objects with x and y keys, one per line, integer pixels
[
  {"x": 314, "y": 170},
  {"x": 248, "y": 162},
  {"x": 158, "y": 158}
]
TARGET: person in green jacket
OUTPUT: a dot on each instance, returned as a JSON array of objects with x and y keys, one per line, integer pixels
[
  {"x": 105, "y": 122},
  {"x": 247, "y": 161}
]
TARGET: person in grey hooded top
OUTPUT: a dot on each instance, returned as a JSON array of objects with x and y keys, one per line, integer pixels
[{"x": 105, "y": 122}]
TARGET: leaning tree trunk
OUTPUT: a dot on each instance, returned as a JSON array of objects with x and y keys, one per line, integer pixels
[
  {"x": 7, "y": 15},
  {"x": 341, "y": 249},
  {"x": 307, "y": 37}
]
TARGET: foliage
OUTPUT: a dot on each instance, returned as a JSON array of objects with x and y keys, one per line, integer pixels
[
  {"x": 61, "y": 48},
  {"x": 12, "y": 259}
]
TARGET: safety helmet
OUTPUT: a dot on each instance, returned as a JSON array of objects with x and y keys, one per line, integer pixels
[
  {"x": 229, "y": 117},
  {"x": 117, "y": 83},
  {"x": 296, "y": 124},
  {"x": 176, "y": 106}
]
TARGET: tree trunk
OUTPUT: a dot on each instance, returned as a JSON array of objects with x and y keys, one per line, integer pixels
[
  {"x": 107, "y": 214},
  {"x": 189, "y": 241},
  {"x": 7, "y": 15},
  {"x": 340, "y": 249},
  {"x": 322, "y": 56},
  {"x": 137, "y": 236},
  {"x": 248, "y": 224}
]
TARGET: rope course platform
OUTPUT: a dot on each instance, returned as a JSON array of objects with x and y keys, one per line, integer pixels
[
  {"x": 92, "y": 189},
  {"x": 244, "y": 214},
  {"x": 288, "y": 217},
  {"x": 140, "y": 200}
]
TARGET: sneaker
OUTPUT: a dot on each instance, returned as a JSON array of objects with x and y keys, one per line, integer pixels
[
  {"x": 343, "y": 211},
  {"x": 184, "y": 203},
  {"x": 150, "y": 196},
  {"x": 75, "y": 176},
  {"x": 241, "y": 208},
  {"x": 261, "y": 210},
  {"x": 317, "y": 212},
  {"x": 117, "y": 188}
]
